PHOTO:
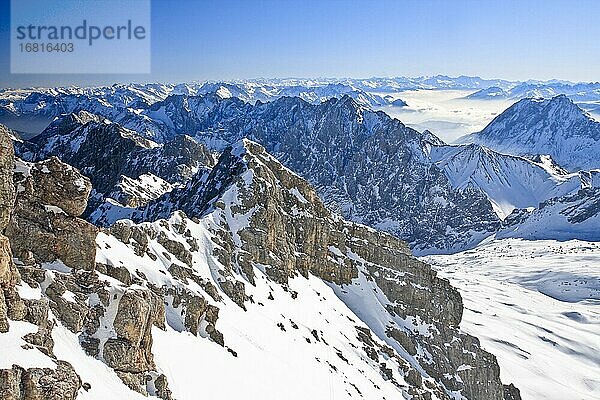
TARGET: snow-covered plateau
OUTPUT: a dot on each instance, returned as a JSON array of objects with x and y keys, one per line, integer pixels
[{"x": 536, "y": 306}]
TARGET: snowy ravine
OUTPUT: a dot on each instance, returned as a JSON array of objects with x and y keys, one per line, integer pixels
[{"x": 536, "y": 306}]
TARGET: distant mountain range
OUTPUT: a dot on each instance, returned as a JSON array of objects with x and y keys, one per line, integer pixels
[
  {"x": 578, "y": 92},
  {"x": 366, "y": 166},
  {"x": 29, "y": 111}
]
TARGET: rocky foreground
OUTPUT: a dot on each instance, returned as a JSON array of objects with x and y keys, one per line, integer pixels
[{"x": 247, "y": 268}]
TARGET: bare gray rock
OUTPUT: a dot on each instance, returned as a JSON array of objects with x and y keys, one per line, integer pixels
[
  {"x": 44, "y": 226},
  {"x": 162, "y": 388},
  {"x": 130, "y": 353},
  {"x": 7, "y": 189},
  {"x": 61, "y": 383}
]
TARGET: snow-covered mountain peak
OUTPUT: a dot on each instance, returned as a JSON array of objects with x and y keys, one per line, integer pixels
[
  {"x": 509, "y": 182},
  {"x": 556, "y": 126}
]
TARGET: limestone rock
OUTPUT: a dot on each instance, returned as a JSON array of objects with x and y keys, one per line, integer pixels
[
  {"x": 44, "y": 224},
  {"x": 134, "y": 381},
  {"x": 4, "y": 325},
  {"x": 58, "y": 184},
  {"x": 69, "y": 309},
  {"x": 162, "y": 387},
  {"x": 9, "y": 276},
  {"x": 130, "y": 353},
  {"x": 7, "y": 189},
  {"x": 124, "y": 356},
  {"x": 138, "y": 310},
  {"x": 196, "y": 311},
  {"x": 61, "y": 383},
  {"x": 511, "y": 392}
]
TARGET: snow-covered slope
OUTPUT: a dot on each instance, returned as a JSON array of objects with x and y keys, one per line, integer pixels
[
  {"x": 536, "y": 304},
  {"x": 258, "y": 285},
  {"x": 573, "y": 216},
  {"x": 509, "y": 182},
  {"x": 488, "y": 94},
  {"x": 556, "y": 127}
]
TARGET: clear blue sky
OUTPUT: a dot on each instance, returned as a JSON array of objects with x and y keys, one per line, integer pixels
[{"x": 197, "y": 40}]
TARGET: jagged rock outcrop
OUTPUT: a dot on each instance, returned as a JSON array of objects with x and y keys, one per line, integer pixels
[
  {"x": 7, "y": 189},
  {"x": 198, "y": 315},
  {"x": 269, "y": 217},
  {"x": 10, "y": 304},
  {"x": 44, "y": 226},
  {"x": 129, "y": 352},
  {"x": 121, "y": 164},
  {"x": 61, "y": 383}
]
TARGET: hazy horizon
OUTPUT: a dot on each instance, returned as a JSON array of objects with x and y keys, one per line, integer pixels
[{"x": 235, "y": 40}]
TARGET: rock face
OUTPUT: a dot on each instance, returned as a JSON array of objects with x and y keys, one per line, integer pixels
[
  {"x": 9, "y": 276},
  {"x": 131, "y": 351},
  {"x": 42, "y": 226},
  {"x": 119, "y": 162},
  {"x": 61, "y": 383},
  {"x": 288, "y": 231},
  {"x": 45, "y": 226},
  {"x": 7, "y": 189}
]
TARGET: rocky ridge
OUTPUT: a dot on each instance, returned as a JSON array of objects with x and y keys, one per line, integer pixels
[
  {"x": 130, "y": 169},
  {"x": 256, "y": 230},
  {"x": 289, "y": 232},
  {"x": 366, "y": 166}
]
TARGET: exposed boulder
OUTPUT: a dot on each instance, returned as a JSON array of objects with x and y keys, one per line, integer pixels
[
  {"x": 10, "y": 303},
  {"x": 130, "y": 352},
  {"x": 44, "y": 226},
  {"x": 65, "y": 304},
  {"x": 61, "y": 185},
  {"x": 511, "y": 392},
  {"x": 61, "y": 383},
  {"x": 162, "y": 388},
  {"x": 9, "y": 275}
]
